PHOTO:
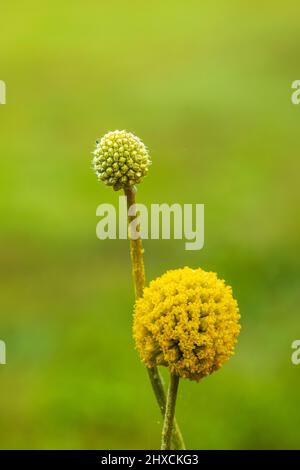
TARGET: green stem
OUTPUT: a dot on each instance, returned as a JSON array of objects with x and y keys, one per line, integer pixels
[
  {"x": 138, "y": 270},
  {"x": 170, "y": 413},
  {"x": 136, "y": 249},
  {"x": 157, "y": 385}
]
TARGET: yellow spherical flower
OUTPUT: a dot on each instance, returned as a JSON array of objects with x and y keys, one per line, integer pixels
[
  {"x": 121, "y": 159},
  {"x": 188, "y": 321}
]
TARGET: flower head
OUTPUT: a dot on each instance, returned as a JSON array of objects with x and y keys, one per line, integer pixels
[
  {"x": 121, "y": 159},
  {"x": 188, "y": 321}
]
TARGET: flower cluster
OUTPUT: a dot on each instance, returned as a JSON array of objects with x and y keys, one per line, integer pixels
[
  {"x": 188, "y": 321},
  {"x": 121, "y": 159}
]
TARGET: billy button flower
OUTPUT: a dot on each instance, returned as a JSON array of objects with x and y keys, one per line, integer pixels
[
  {"x": 121, "y": 159},
  {"x": 188, "y": 321}
]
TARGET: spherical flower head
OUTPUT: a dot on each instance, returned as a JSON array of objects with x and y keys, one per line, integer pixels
[
  {"x": 188, "y": 321},
  {"x": 121, "y": 159}
]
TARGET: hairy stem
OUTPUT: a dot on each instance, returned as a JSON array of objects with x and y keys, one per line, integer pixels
[
  {"x": 170, "y": 413},
  {"x": 136, "y": 247},
  {"x": 157, "y": 385},
  {"x": 138, "y": 270}
]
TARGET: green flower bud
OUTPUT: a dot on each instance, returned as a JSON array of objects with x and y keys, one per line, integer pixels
[{"x": 121, "y": 159}]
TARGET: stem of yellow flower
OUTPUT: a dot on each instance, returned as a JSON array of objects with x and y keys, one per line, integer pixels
[
  {"x": 138, "y": 270},
  {"x": 170, "y": 413}
]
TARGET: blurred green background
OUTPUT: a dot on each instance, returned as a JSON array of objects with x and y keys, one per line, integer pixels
[{"x": 207, "y": 86}]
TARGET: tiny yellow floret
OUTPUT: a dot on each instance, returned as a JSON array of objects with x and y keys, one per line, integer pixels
[{"x": 188, "y": 321}]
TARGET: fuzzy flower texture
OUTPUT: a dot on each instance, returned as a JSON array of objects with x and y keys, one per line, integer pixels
[
  {"x": 188, "y": 321},
  {"x": 121, "y": 159}
]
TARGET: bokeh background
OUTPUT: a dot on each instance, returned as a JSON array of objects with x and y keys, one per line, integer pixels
[{"x": 207, "y": 86}]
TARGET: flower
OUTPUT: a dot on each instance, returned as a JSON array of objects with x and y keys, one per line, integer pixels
[
  {"x": 121, "y": 159},
  {"x": 188, "y": 321}
]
